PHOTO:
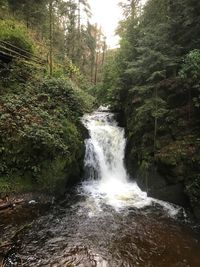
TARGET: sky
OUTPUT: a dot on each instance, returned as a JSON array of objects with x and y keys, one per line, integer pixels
[{"x": 107, "y": 13}]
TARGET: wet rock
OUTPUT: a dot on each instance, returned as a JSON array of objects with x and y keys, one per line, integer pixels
[
  {"x": 196, "y": 210},
  {"x": 160, "y": 187},
  {"x": 32, "y": 202},
  {"x": 171, "y": 193},
  {"x": 172, "y": 174}
]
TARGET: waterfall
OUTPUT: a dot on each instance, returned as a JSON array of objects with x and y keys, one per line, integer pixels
[
  {"x": 105, "y": 148},
  {"x": 106, "y": 176}
]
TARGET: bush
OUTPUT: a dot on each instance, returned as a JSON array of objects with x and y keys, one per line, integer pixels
[
  {"x": 41, "y": 135},
  {"x": 15, "y": 33},
  {"x": 15, "y": 75}
]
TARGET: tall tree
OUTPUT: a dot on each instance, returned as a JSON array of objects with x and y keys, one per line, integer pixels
[{"x": 154, "y": 42}]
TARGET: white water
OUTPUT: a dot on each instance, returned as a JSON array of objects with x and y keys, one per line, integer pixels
[{"x": 107, "y": 179}]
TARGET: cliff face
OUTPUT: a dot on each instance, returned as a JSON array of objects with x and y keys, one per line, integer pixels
[
  {"x": 173, "y": 174},
  {"x": 167, "y": 167}
]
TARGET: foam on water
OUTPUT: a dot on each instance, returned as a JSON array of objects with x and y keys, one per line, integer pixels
[{"x": 107, "y": 180}]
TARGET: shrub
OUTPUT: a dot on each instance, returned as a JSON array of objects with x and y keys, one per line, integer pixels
[
  {"x": 15, "y": 33},
  {"x": 40, "y": 130}
]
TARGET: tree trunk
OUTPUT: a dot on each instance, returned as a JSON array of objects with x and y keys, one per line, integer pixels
[
  {"x": 51, "y": 37},
  {"x": 96, "y": 68},
  {"x": 156, "y": 119},
  {"x": 104, "y": 52}
]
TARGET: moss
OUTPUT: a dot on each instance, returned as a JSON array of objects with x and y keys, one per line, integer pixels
[
  {"x": 42, "y": 138},
  {"x": 41, "y": 135},
  {"x": 184, "y": 150},
  {"x": 193, "y": 188},
  {"x": 16, "y": 33},
  {"x": 15, "y": 184}
]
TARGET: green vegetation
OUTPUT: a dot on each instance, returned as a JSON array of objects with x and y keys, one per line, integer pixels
[
  {"x": 16, "y": 33},
  {"x": 42, "y": 138},
  {"x": 60, "y": 26},
  {"x": 41, "y": 134},
  {"x": 53, "y": 65},
  {"x": 155, "y": 86}
]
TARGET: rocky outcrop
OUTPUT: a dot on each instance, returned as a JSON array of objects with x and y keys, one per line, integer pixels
[
  {"x": 158, "y": 187},
  {"x": 176, "y": 184}
]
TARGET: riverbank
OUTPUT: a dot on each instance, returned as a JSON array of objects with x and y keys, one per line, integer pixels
[
  {"x": 13, "y": 201},
  {"x": 42, "y": 137},
  {"x": 176, "y": 183},
  {"x": 106, "y": 220}
]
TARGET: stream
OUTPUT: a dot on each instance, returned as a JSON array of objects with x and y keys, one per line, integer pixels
[{"x": 105, "y": 221}]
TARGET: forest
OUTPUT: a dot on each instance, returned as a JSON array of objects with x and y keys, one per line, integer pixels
[
  {"x": 99, "y": 145},
  {"x": 55, "y": 66},
  {"x": 47, "y": 51},
  {"x": 153, "y": 81}
]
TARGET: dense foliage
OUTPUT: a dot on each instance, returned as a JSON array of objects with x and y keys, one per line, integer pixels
[
  {"x": 155, "y": 85},
  {"x": 15, "y": 33},
  {"x": 41, "y": 135},
  {"x": 63, "y": 26}
]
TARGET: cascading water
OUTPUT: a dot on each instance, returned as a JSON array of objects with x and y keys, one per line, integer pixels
[
  {"x": 101, "y": 222},
  {"x": 105, "y": 148},
  {"x": 107, "y": 179}
]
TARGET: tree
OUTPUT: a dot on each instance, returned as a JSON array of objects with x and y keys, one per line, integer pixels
[{"x": 154, "y": 42}]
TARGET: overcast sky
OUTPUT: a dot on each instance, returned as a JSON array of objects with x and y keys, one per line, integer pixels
[{"x": 107, "y": 13}]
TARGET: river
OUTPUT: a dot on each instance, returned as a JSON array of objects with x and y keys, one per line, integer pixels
[{"x": 106, "y": 221}]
